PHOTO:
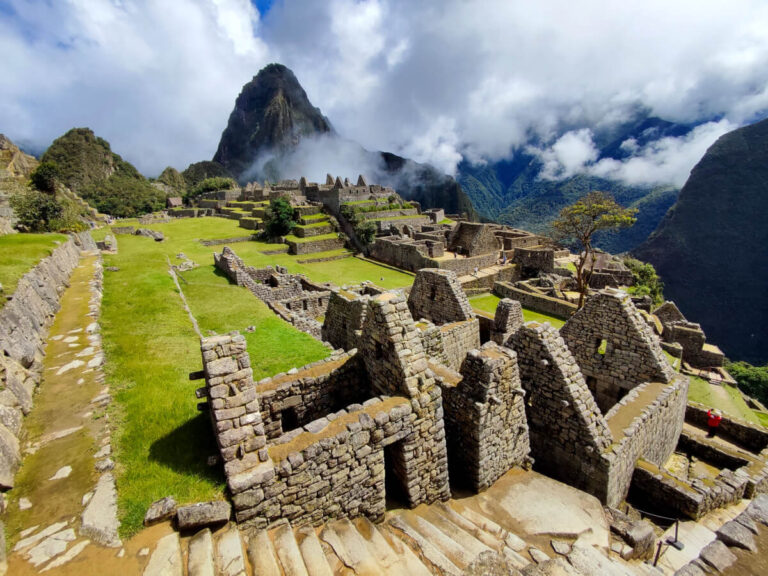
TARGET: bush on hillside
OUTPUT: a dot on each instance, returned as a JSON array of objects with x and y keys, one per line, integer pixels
[
  {"x": 123, "y": 197},
  {"x": 42, "y": 212},
  {"x": 211, "y": 185},
  {"x": 45, "y": 177},
  {"x": 647, "y": 281},
  {"x": 752, "y": 380},
  {"x": 279, "y": 218}
]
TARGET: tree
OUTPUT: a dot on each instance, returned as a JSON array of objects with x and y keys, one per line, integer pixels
[
  {"x": 578, "y": 223},
  {"x": 36, "y": 211},
  {"x": 647, "y": 281},
  {"x": 45, "y": 177},
  {"x": 279, "y": 218},
  {"x": 365, "y": 232}
]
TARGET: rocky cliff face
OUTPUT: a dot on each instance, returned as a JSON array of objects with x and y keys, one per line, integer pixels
[
  {"x": 273, "y": 115},
  {"x": 711, "y": 248},
  {"x": 15, "y": 168}
]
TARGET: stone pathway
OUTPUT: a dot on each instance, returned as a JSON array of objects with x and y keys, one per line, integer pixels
[{"x": 64, "y": 501}]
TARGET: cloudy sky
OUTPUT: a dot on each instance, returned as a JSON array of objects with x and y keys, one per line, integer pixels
[{"x": 436, "y": 81}]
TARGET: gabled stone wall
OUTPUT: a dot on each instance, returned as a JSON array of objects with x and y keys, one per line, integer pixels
[
  {"x": 344, "y": 319},
  {"x": 567, "y": 430},
  {"x": 614, "y": 347},
  {"x": 437, "y": 296},
  {"x": 507, "y": 320},
  {"x": 485, "y": 419}
]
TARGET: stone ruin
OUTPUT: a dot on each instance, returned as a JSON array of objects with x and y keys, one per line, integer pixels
[
  {"x": 412, "y": 402},
  {"x": 692, "y": 342}
]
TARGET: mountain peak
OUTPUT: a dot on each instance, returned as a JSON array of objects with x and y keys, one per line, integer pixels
[{"x": 272, "y": 112}]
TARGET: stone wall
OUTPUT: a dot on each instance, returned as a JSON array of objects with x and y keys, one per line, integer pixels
[
  {"x": 458, "y": 338},
  {"x": 437, "y": 296},
  {"x": 24, "y": 322},
  {"x": 290, "y": 401},
  {"x": 403, "y": 254},
  {"x": 751, "y": 436},
  {"x": 536, "y": 302},
  {"x": 507, "y": 320},
  {"x": 485, "y": 420},
  {"x": 614, "y": 347},
  {"x": 474, "y": 239},
  {"x": 312, "y": 246},
  {"x": 567, "y": 431},
  {"x": 344, "y": 319},
  {"x": 532, "y": 261}
]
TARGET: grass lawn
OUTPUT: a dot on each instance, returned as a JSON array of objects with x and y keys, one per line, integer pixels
[
  {"x": 329, "y": 236},
  {"x": 319, "y": 216},
  {"x": 19, "y": 253},
  {"x": 726, "y": 398},
  {"x": 161, "y": 441},
  {"x": 314, "y": 225},
  {"x": 488, "y": 302}
]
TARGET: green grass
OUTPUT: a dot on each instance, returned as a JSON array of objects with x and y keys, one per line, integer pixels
[
  {"x": 726, "y": 398},
  {"x": 161, "y": 440},
  {"x": 488, "y": 302},
  {"x": 319, "y": 216},
  {"x": 329, "y": 236},
  {"x": 388, "y": 218},
  {"x": 358, "y": 202},
  {"x": 314, "y": 225},
  {"x": 763, "y": 418},
  {"x": 446, "y": 221},
  {"x": 327, "y": 254},
  {"x": 19, "y": 253}
]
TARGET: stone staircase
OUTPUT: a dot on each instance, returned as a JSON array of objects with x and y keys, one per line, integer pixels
[{"x": 444, "y": 538}]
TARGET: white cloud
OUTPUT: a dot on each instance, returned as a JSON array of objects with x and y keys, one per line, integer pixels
[
  {"x": 569, "y": 155},
  {"x": 439, "y": 79}
]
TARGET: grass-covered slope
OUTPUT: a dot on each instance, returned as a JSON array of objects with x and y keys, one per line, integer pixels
[
  {"x": 162, "y": 442},
  {"x": 711, "y": 248},
  {"x": 19, "y": 253}
]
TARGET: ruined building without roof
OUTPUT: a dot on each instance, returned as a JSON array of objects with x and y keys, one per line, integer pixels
[{"x": 412, "y": 404}]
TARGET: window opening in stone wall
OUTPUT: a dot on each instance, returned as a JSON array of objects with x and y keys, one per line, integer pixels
[
  {"x": 289, "y": 419},
  {"x": 395, "y": 476},
  {"x": 304, "y": 304},
  {"x": 379, "y": 350}
]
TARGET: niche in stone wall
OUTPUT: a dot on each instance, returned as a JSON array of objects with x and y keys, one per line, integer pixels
[{"x": 289, "y": 419}]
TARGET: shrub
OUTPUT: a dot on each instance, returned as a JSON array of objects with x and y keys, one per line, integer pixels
[
  {"x": 123, "y": 196},
  {"x": 365, "y": 232},
  {"x": 752, "y": 380},
  {"x": 279, "y": 218},
  {"x": 212, "y": 185},
  {"x": 45, "y": 177},
  {"x": 35, "y": 210},
  {"x": 647, "y": 281}
]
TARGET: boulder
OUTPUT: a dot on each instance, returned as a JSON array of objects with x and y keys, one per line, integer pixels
[
  {"x": 735, "y": 534},
  {"x": 203, "y": 514},
  {"x": 717, "y": 555}
]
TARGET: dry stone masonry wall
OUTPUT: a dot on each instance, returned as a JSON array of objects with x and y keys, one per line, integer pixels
[
  {"x": 485, "y": 418},
  {"x": 614, "y": 347}
]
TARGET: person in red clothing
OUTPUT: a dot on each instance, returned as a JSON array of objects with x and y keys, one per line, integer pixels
[{"x": 713, "y": 421}]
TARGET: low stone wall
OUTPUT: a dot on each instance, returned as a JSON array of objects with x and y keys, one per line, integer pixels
[
  {"x": 653, "y": 435},
  {"x": 315, "y": 246},
  {"x": 123, "y": 229},
  {"x": 466, "y": 266},
  {"x": 752, "y": 437},
  {"x": 405, "y": 255},
  {"x": 308, "y": 232},
  {"x": 290, "y": 401},
  {"x": 223, "y": 241},
  {"x": 536, "y": 302},
  {"x": 693, "y": 499},
  {"x": 400, "y": 223},
  {"x": 534, "y": 260},
  {"x": 24, "y": 323}
]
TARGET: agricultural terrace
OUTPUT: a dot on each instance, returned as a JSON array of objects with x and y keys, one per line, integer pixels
[
  {"x": 162, "y": 442},
  {"x": 19, "y": 253}
]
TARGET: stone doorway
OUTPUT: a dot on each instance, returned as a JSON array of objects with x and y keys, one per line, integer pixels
[{"x": 395, "y": 476}]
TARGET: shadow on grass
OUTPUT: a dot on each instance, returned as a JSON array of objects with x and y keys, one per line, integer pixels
[{"x": 187, "y": 448}]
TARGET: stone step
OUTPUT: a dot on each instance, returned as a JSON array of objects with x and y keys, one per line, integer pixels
[
  {"x": 423, "y": 547},
  {"x": 200, "y": 560},
  {"x": 452, "y": 549},
  {"x": 288, "y": 552},
  {"x": 230, "y": 560},
  {"x": 390, "y": 561},
  {"x": 469, "y": 527},
  {"x": 261, "y": 555},
  {"x": 351, "y": 548},
  {"x": 166, "y": 559},
  {"x": 312, "y": 552},
  {"x": 466, "y": 541}
]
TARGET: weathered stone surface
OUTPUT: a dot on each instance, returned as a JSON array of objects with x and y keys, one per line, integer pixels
[
  {"x": 537, "y": 555},
  {"x": 734, "y": 534},
  {"x": 758, "y": 509},
  {"x": 717, "y": 555},
  {"x": 99, "y": 519},
  {"x": 690, "y": 569},
  {"x": 10, "y": 458},
  {"x": 561, "y": 547},
  {"x": 166, "y": 559},
  {"x": 203, "y": 514},
  {"x": 230, "y": 560},
  {"x": 490, "y": 563},
  {"x": 159, "y": 510},
  {"x": 588, "y": 560},
  {"x": 200, "y": 561},
  {"x": 52, "y": 546}
]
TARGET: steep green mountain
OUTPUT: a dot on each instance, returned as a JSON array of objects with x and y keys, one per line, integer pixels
[
  {"x": 711, "y": 248},
  {"x": 512, "y": 192},
  {"x": 87, "y": 166},
  {"x": 273, "y": 117},
  {"x": 272, "y": 114}
]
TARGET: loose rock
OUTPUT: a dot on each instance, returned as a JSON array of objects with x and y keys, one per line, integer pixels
[
  {"x": 203, "y": 514},
  {"x": 159, "y": 510}
]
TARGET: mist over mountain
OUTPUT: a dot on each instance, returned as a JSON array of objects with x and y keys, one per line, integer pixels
[
  {"x": 711, "y": 248},
  {"x": 274, "y": 133}
]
